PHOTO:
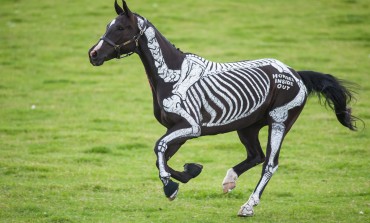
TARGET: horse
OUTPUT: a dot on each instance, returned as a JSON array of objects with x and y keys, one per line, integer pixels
[{"x": 194, "y": 97}]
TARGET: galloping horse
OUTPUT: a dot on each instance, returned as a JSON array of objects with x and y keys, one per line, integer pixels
[{"x": 194, "y": 97}]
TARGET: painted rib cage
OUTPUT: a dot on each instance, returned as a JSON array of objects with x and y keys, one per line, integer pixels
[{"x": 221, "y": 98}]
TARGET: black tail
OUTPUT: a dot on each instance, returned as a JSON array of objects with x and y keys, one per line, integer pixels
[{"x": 336, "y": 95}]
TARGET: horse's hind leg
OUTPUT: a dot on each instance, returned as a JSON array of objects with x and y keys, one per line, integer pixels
[
  {"x": 278, "y": 128},
  {"x": 255, "y": 156},
  {"x": 280, "y": 120},
  {"x": 277, "y": 132}
]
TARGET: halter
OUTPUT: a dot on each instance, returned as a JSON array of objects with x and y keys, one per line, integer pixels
[{"x": 117, "y": 47}]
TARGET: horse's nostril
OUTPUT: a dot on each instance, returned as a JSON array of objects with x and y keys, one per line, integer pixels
[{"x": 94, "y": 54}]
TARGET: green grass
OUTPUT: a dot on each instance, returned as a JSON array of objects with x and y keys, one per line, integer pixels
[{"x": 76, "y": 141}]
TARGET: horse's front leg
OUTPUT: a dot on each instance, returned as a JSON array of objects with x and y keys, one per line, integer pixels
[
  {"x": 185, "y": 129},
  {"x": 172, "y": 137}
]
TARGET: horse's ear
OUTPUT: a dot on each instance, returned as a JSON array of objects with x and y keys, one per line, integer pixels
[
  {"x": 127, "y": 10},
  {"x": 118, "y": 8}
]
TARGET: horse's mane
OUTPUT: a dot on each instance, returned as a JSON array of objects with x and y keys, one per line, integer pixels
[{"x": 151, "y": 25}]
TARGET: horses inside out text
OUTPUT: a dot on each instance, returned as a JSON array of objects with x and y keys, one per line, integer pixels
[{"x": 194, "y": 97}]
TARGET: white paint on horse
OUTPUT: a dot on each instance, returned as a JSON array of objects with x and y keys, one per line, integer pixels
[
  {"x": 277, "y": 134},
  {"x": 247, "y": 208},
  {"x": 219, "y": 82},
  {"x": 223, "y": 84},
  {"x": 210, "y": 94},
  {"x": 279, "y": 116},
  {"x": 164, "y": 72}
]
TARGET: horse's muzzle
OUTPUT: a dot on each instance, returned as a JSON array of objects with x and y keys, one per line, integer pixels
[{"x": 95, "y": 59}]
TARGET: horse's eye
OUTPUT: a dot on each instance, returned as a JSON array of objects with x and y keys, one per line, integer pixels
[{"x": 120, "y": 28}]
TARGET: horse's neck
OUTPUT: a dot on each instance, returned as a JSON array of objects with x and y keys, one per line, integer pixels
[{"x": 160, "y": 58}]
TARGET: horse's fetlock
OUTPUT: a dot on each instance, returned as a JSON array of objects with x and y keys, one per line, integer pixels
[
  {"x": 164, "y": 175},
  {"x": 254, "y": 200}
]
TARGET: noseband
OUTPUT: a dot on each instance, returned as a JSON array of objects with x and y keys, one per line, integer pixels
[{"x": 117, "y": 47}]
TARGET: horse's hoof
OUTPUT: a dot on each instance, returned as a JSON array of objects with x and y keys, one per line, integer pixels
[
  {"x": 229, "y": 182},
  {"x": 171, "y": 190},
  {"x": 193, "y": 169},
  {"x": 246, "y": 211},
  {"x": 228, "y": 187}
]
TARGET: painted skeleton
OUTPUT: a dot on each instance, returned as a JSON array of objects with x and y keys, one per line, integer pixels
[
  {"x": 200, "y": 82},
  {"x": 200, "y": 97}
]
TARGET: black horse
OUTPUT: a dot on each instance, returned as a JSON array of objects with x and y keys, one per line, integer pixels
[{"x": 193, "y": 97}]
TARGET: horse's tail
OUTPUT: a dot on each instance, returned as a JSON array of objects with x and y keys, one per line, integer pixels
[{"x": 336, "y": 94}]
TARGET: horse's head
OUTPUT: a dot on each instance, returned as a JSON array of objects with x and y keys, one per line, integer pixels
[{"x": 120, "y": 38}]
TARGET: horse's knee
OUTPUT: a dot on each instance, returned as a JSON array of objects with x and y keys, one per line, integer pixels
[
  {"x": 160, "y": 146},
  {"x": 159, "y": 150}
]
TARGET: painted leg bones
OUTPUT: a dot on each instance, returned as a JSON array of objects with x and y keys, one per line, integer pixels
[
  {"x": 173, "y": 105},
  {"x": 277, "y": 132},
  {"x": 276, "y": 135}
]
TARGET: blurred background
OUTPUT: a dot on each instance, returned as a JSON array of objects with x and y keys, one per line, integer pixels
[{"x": 76, "y": 141}]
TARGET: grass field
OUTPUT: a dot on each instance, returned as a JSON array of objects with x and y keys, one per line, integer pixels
[{"x": 76, "y": 141}]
